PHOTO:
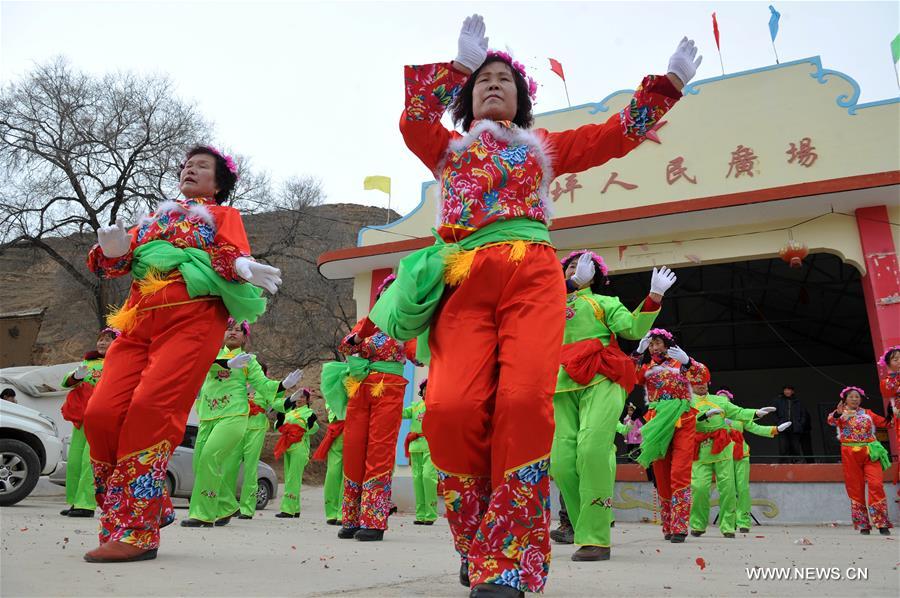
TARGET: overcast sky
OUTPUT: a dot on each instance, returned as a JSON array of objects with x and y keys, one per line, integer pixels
[{"x": 316, "y": 88}]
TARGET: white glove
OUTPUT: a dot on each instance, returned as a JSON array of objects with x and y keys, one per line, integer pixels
[
  {"x": 241, "y": 361},
  {"x": 297, "y": 397},
  {"x": 764, "y": 411},
  {"x": 645, "y": 342},
  {"x": 80, "y": 372},
  {"x": 472, "y": 43},
  {"x": 584, "y": 270},
  {"x": 662, "y": 280},
  {"x": 677, "y": 353},
  {"x": 292, "y": 379},
  {"x": 783, "y": 427},
  {"x": 257, "y": 274},
  {"x": 714, "y": 411},
  {"x": 682, "y": 63},
  {"x": 114, "y": 240}
]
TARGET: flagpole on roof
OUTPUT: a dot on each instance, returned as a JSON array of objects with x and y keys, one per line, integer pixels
[{"x": 773, "y": 29}]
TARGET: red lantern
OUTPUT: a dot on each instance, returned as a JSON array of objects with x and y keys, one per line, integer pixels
[{"x": 793, "y": 253}]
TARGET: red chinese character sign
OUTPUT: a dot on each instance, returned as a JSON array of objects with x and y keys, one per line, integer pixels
[
  {"x": 571, "y": 185},
  {"x": 614, "y": 180},
  {"x": 802, "y": 154},
  {"x": 677, "y": 170},
  {"x": 743, "y": 160}
]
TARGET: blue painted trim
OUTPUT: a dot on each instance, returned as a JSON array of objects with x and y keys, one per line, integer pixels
[
  {"x": 389, "y": 225},
  {"x": 409, "y": 372}
]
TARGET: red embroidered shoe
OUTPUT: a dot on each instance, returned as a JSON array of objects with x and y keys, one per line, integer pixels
[{"x": 119, "y": 552}]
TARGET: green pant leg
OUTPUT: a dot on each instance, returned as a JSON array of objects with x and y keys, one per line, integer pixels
[
  {"x": 562, "y": 452},
  {"x": 295, "y": 460},
  {"x": 429, "y": 483},
  {"x": 598, "y": 413},
  {"x": 334, "y": 479},
  {"x": 222, "y": 440},
  {"x": 612, "y": 470},
  {"x": 231, "y": 467},
  {"x": 727, "y": 496},
  {"x": 252, "y": 449},
  {"x": 742, "y": 488},
  {"x": 701, "y": 480},
  {"x": 79, "y": 473},
  {"x": 415, "y": 461}
]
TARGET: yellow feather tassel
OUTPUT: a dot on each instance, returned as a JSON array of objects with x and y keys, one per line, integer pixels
[
  {"x": 517, "y": 250},
  {"x": 123, "y": 319},
  {"x": 351, "y": 385},
  {"x": 457, "y": 266},
  {"x": 153, "y": 282},
  {"x": 378, "y": 390}
]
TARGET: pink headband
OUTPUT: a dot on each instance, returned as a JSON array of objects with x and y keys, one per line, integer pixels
[
  {"x": 725, "y": 393},
  {"x": 245, "y": 327},
  {"x": 849, "y": 389},
  {"x": 112, "y": 331},
  {"x": 663, "y": 333},
  {"x": 883, "y": 359},
  {"x": 519, "y": 67},
  {"x": 601, "y": 265},
  {"x": 384, "y": 283}
]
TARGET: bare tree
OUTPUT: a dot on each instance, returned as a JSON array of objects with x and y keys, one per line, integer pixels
[{"x": 78, "y": 152}]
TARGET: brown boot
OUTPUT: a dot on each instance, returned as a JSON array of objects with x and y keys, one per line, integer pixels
[
  {"x": 591, "y": 553},
  {"x": 119, "y": 552}
]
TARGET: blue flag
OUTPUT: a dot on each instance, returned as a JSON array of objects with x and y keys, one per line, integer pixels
[{"x": 773, "y": 22}]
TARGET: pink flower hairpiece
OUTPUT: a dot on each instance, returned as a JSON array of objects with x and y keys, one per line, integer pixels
[
  {"x": 229, "y": 161},
  {"x": 115, "y": 332},
  {"x": 601, "y": 265},
  {"x": 505, "y": 57},
  {"x": 849, "y": 389},
  {"x": 245, "y": 326},
  {"x": 725, "y": 393},
  {"x": 882, "y": 361},
  {"x": 384, "y": 283},
  {"x": 661, "y": 332}
]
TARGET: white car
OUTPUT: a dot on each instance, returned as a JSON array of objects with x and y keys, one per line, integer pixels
[{"x": 29, "y": 447}]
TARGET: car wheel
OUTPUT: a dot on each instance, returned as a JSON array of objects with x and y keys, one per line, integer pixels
[
  {"x": 20, "y": 469},
  {"x": 170, "y": 485},
  {"x": 263, "y": 493}
]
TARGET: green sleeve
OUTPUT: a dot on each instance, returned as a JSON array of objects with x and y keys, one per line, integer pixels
[
  {"x": 407, "y": 412},
  {"x": 622, "y": 429},
  {"x": 66, "y": 378},
  {"x": 628, "y": 324},
  {"x": 732, "y": 411},
  {"x": 263, "y": 386},
  {"x": 755, "y": 428}
]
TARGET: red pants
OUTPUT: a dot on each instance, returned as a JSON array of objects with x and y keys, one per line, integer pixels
[
  {"x": 495, "y": 347},
  {"x": 859, "y": 470},
  {"x": 673, "y": 477},
  {"x": 137, "y": 415},
  {"x": 370, "y": 445}
]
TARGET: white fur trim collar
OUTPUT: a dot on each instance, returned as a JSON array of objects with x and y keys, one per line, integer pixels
[{"x": 196, "y": 210}]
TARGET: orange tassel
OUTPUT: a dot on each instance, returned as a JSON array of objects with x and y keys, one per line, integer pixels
[
  {"x": 378, "y": 390},
  {"x": 153, "y": 282},
  {"x": 122, "y": 318},
  {"x": 457, "y": 266},
  {"x": 351, "y": 385},
  {"x": 517, "y": 251}
]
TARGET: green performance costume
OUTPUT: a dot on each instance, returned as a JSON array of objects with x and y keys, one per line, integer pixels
[
  {"x": 223, "y": 408},
  {"x": 331, "y": 450},
  {"x": 80, "y": 491},
  {"x": 296, "y": 455},
  {"x": 587, "y": 410},
  {"x": 713, "y": 453},
  {"x": 742, "y": 465},
  {"x": 424, "y": 474}
]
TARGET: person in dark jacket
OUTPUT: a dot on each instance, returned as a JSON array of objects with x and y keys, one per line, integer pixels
[{"x": 794, "y": 442}]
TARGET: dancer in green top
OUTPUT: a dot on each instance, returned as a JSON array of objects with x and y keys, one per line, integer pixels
[
  {"x": 424, "y": 474},
  {"x": 298, "y": 428}
]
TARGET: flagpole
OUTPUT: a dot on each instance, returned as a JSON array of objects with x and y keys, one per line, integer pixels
[
  {"x": 776, "y": 53},
  {"x": 722, "y": 64},
  {"x": 387, "y": 218},
  {"x": 566, "y": 87}
]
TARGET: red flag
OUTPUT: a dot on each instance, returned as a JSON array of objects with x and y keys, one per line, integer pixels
[
  {"x": 716, "y": 31},
  {"x": 556, "y": 67}
]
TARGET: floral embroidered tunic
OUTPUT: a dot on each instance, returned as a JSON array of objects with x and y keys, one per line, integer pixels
[
  {"x": 498, "y": 171},
  {"x": 196, "y": 222},
  {"x": 890, "y": 388},
  {"x": 667, "y": 379},
  {"x": 224, "y": 393},
  {"x": 375, "y": 345},
  {"x": 859, "y": 427}
]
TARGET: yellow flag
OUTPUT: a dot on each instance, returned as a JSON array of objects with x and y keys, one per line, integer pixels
[{"x": 381, "y": 183}]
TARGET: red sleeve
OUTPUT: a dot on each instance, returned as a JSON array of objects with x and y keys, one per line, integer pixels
[
  {"x": 890, "y": 385},
  {"x": 230, "y": 242},
  {"x": 577, "y": 150},
  {"x": 650, "y": 305},
  {"x": 834, "y": 421},
  {"x": 111, "y": 267},
  {"x": 430, "y": 89},
  {"x": 879, "y": 421},
  {"x": 409, "y": 347}
]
